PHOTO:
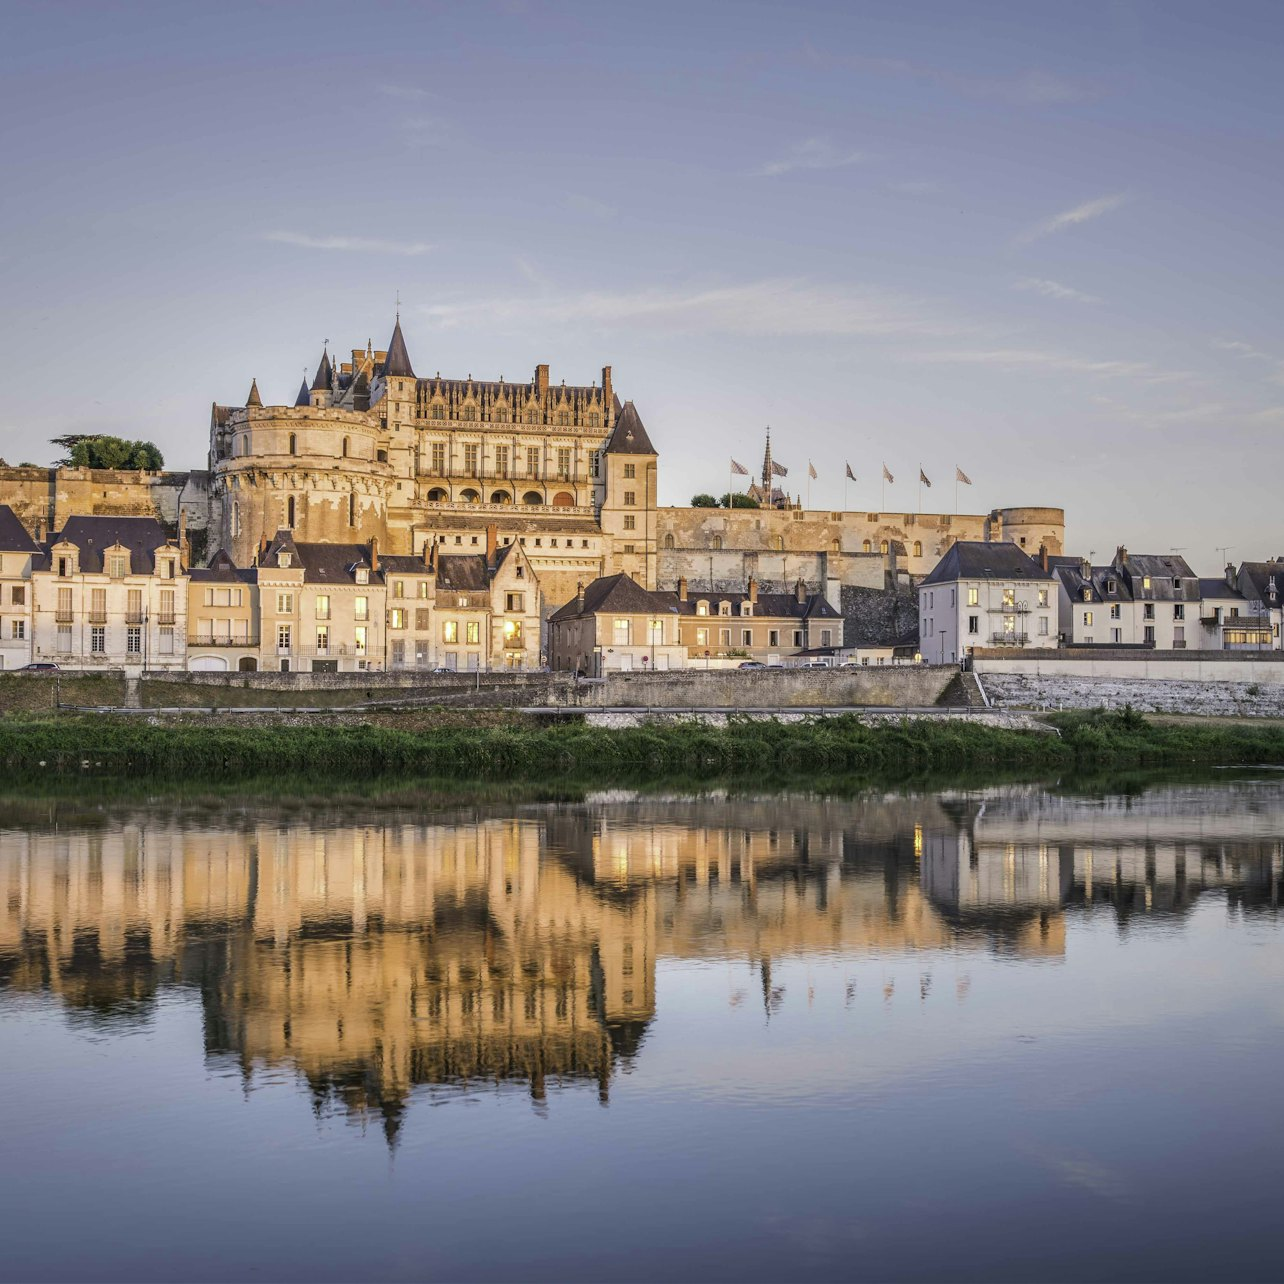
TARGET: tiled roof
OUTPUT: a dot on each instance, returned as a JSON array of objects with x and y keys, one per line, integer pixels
[
  {"x": 976, "y": 560},
  {"x": 91, "y": 535},
  {"x": 13, "y": 534},
  {"x": 617, "y": 593},
  {"x": 629, "y": 436}
]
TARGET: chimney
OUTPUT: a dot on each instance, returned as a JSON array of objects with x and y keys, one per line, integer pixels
[
  {"x": 579, "y": 598},
  {"x": 184, "y": 543},
  {"x": 1121, "y": 556},
  {"x": 1230, "y": 575},
  {"x": 1043, "y": 557},
  {"x": 753, "y": 590},
  {"x": 800, "y": 591},
  {"x": 374, "y": 555},
  {"x": 428, "y": 545},
  {"x": 682, "y": 588},
  {"x": 1085, "y": 569},
  {"x": 541, "y": 381},
  {"x": 492, "y": 544},
  {"x": 606, "y": 386},
  {"x": 40, "y": 530}
]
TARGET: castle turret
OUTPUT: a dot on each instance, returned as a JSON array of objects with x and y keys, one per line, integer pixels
[{"x": 323, "y": 384}]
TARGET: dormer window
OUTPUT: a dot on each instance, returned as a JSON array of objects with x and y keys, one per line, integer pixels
[
  {"x": 1087, "y": 594},
  {"x": 283, "y": 561},
  {"x": 746, "y": 608},
  {"x": 1111, "y": 586},
  {"x": 702, "y": 607},
  {"x": 363, "y": 575},
  {"x": 724, "y": 608},
  {"x": 1145, "y": 583},
  {"x": 116, "y": 566}
]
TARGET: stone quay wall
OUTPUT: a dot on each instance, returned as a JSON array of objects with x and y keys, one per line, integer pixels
[
  {"x": 1146, "y": 695},
  {"x": 1265, "y": 668}
]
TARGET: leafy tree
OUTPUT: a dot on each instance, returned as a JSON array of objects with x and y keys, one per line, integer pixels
[
  {"x": 734, "y": 499},
  {"x": 93, "y": 450},
  {"x": 703, "y": 501}
]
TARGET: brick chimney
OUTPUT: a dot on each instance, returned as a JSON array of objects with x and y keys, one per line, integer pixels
[
  {"x": 492, "y": 545},
  {"x": 753, "y": 590},
  {"x": 579, "y": 598},
  {"x": 682, "y": 588},
  {"x": 541, "y": 381},
  {"x": 1230, "y": 575},
  {"x": 800, "y": 591},
  {"x": 374, "y": 555},
  {"x": 606, "y": 386},
  {"x": 1121, "y": 556}
]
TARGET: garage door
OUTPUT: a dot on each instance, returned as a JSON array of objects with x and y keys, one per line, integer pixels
[{"x": 207, "y": 664}]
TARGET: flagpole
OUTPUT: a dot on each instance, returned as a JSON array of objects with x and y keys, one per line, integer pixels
[
  {"x": 920, "y": 489},
  {"x": 956, "y": 490},
  {"x": 882, "y": 503}
]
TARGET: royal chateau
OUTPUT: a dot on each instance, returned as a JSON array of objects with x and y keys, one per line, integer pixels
[{"x": 378, "y": 469}]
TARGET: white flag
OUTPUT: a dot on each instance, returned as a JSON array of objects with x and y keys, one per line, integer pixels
[
  {"x": 811, "y": 470},
  {"x": 886, "y": 475},
  {"x": 739, "y": 469},
  {"x": 923, "y": 477},
  {"x": 960, "y": 475}
]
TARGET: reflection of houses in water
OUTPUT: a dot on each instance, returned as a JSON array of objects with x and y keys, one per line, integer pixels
[
  {"x": 1027, "y": 852},
  {"x": 397, "y": 950}
]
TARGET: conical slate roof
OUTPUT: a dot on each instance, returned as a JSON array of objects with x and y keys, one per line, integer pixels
[
  {"x": 305, "y": 395},
  {"x": 629, "y": 436},
  {"x": 325, "y": 374},
  {"x": 398, "y": 361},
  {"x": 254, "y": 399}
]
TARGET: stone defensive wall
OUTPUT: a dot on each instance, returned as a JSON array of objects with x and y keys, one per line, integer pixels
[
  {"x": 45, "y": 498},
  {"x": 1265, "y": 668},
  {"x": 779, "y": 541}
]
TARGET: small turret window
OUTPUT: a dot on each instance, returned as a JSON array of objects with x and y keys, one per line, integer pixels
[
  {"x": 294, "y": 444},
  {"x": 345, "y": 448},
  {"x": 289, "y": 511}
]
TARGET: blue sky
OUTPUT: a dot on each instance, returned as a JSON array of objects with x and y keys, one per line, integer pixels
[{"x": 1037, "y": 241}]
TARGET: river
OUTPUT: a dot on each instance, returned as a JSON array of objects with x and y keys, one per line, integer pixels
[{"x": 977, "y": 1033}]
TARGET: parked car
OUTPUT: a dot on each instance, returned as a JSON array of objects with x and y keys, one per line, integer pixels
[
  {"x": 43, "y": 666},
  {"x": 815, "y": 664},
  {"x": 753, "y": 664}
]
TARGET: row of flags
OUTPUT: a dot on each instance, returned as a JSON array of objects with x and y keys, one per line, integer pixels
[{"x": 779, "y": 470}]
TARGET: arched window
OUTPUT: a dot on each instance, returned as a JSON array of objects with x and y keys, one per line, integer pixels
[
  {"x": 918, "y": 548},
  {"x": 882, "y": 546},
  {"x": 245, "y": 446},
  {"x": 289, "y": 512},
  {"x": 352, "y": 508},
  {"x": 532, "y": 497},
  {"x": 778, "y": 543},
  {"x": 501, "y": 497},
  {"x": 717, "y": 541},
  {"x": 345, "y": 448},
  {"x": 294, "y": 444},
  {"x": 563, "y": 499},
  {"x": 668, "y": 541},
  {"x": 836, "y": 546},
  {"x": 470, "y": 496},
  {"x": 437, "y": 495},
  {"x": 236, "y": 518},
  {"x": 867, "y": 547}
]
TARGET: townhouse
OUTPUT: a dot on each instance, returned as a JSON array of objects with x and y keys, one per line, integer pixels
[
  {"x": 223, "y": 632},
  {"x": 18, "y": 552},
  {"x": 983, "y": 595},
  {"x": 110, "y": 592},
  {"x": 616, "y": 626}
]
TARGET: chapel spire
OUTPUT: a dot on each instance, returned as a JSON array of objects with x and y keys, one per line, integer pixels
[
  {"x": 325, "y": 373},
  {"x": 397, "y": 363}
]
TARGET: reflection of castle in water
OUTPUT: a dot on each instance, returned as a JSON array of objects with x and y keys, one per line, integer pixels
[{"x": 399, "y": 950}]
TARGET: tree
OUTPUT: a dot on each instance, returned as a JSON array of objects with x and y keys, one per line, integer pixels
[
  {"x": 93, "y": 450},
  {"x": 703, "y": 501},
  {"x": 734, "y": 499}
]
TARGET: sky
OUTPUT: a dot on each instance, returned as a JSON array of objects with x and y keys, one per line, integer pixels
[{"x": 1037, "y": 242}]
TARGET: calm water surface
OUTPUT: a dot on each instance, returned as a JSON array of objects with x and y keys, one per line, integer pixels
[{"x": 985, "y": 1034}]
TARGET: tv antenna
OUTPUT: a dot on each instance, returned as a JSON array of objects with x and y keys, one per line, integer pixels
[{"x": 1223, "y": 549}]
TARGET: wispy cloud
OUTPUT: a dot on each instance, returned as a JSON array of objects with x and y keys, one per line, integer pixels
[
  {"x": 348, "y": 244},
  {"x": 578, "y": 203},
  {"x": 812, "y": 153},
  {"x": 1084, "y": 213},
  {"x": 1053, "y": 290},
  {"x": 426, "y": 131},
  {"x": 1053, "y": 362},
  {"x": 1032, "y": 87},
  {"x": 774, "y": 307},
  {"x": 404, "y": 93},
  {"x": 1247, "y": 352}
]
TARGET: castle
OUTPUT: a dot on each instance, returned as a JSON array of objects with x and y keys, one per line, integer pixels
[{"x": 372, "y": 450}]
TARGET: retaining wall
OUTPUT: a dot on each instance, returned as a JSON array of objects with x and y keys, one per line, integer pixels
[{"x": 1260, "y": 667}]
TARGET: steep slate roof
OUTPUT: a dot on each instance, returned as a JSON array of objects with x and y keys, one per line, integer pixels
[
  {"x": 223, "y": 570},
  {"x": 397, "y": 362},
  {"x": 1220, "y": 590},
  {"x": 13, "y": 534},
  {"x": 617, "y": 593},
  {"x": 1162, "y": 568},
  {"x": 1259, "y": 575},
  {"x": 629, "y": 436},
  {"x": 403, "y": 564},
  {"x": 975, "y": 560},
  {"x": 91, "y": 535},
  {"x": 333, "y": 563},
  {"x": 814, "y": 606},
  {"x": 305, "y": 396},
  {"x": 325, "y": 373}
]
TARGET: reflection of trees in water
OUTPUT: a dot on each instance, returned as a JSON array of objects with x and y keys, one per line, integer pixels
[{"x": 380, "y": 956}]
